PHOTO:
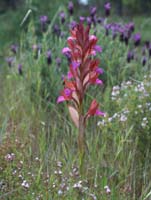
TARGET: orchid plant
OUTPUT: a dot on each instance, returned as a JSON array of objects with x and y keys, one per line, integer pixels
[{"x": 83, "y": 72}]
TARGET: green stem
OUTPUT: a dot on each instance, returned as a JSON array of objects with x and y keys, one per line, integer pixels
[{"x": 81, "y": 142}]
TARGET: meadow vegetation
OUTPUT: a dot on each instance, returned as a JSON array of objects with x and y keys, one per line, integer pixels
[{"x": 38, "y": 141}]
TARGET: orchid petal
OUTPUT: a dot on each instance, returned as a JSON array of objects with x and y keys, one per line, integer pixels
[
  {"x": 99, "y": 82},
  {"x": 66, "y": 50},
  {"x": 93, "y": 52},
  {"x": 67, "y": 92},
  {"x": 75, "y": 64},
  {"x": 60, "y": 99},
  {"x": 69, "y": 75},
  {"x": 99, "y": 113},
  {"x": 98, "y": 48},
  {"x": 99, "y": 70},
  {"x": 92, "y": 37}
]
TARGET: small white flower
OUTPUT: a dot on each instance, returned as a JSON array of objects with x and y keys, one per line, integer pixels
[
  {"x": 78, "y": 185},
  {"x": 136, "y": 112},
  {"x": 14, "y": 172},
  {"x": 126, "y": 111},
  {"x": 101, "y": 123},
  {"x": 59, "y": 164},
  {"x": 93, "y": 196},
  {"x": 60, "y": 192},
  {"x": 108, "y": 191},
  {"x": 36, "y": 158},
  {"x": 25, "y": 184},
  {"x": 145, "y": 119},
  {"x": 21, "y": 162},
  {"x": 128, "y": 83},
  {"x": 59, "y": 172},
  {"x": 143, "y": 124},
  {"x": 123, "y": 118},
  {"x": 110, "y": 119},
  {"x": 10, "y": 157},
  {"x": 139, "y": 106},
  {"x": 115, "y": 115}
]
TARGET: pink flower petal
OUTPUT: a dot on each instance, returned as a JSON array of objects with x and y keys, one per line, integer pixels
[
  {"x": 92, "y": 37},
  {"x": 99, "y": 82},
  {"x": 67, "y": 92},
  {"x": 70, "y": 39},
  {"x": 69, "y": 75},
  {"x": 99, "y": 70},
  {"x": 60, "y": 99},
  {"x": 98, "y": 49},
  {"x": 75, "y": 64},
  {"x": 66, "y": 50},
  {"x": 99, "y": 113},
  {"x": 93, "y": 52}
]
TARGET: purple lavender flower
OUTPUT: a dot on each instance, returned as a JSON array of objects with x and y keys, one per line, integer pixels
[
  {"x": 107, "y": 28},
  {"x": 121, "y": 31},
  {"x": 20, "y": 71},
  {"x": 14, "y": 48},
  {"x": 58, "y": 61},
  {"x": 126, "y": 38},
  {"x": 56, "y": 30},
  {"x": 130, "y": 56},
  {"x": 62, "y": 34},
  {"x": 149, "y": 50},
  {"x": 43, "y": 20},
  {"x": 89, "y": 21},
  {"x": 70, "y": 7},
  {"x": 62, "y": 77},
  {"x": 107, "y": 7},
  {"x": 144, "y": 60},
  {"x": 93, "y": 11},
  {"x": 82, "y": 19},
  {"x": 100, "y": 20},
  {"x": 9, "y": 61},
  {"x": 72, "y": 24},
  {"x": 49, "y": 57},
  {"x": 137, "y": 39},
  {"x": 62, "y": 17},
  {"x": 131, "y": 26},
  {"x": 147, "y": 44}
]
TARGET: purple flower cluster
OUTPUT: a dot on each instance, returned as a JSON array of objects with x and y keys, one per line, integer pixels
[
  {"x": 70, "y": 8},
  {"x": 107, "y": 7},
  {"x": 124, "y": 32},
  {"x": 44, "y": 21}
]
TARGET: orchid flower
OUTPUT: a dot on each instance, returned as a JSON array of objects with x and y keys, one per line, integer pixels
[{"x": 83, "y": 71}]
